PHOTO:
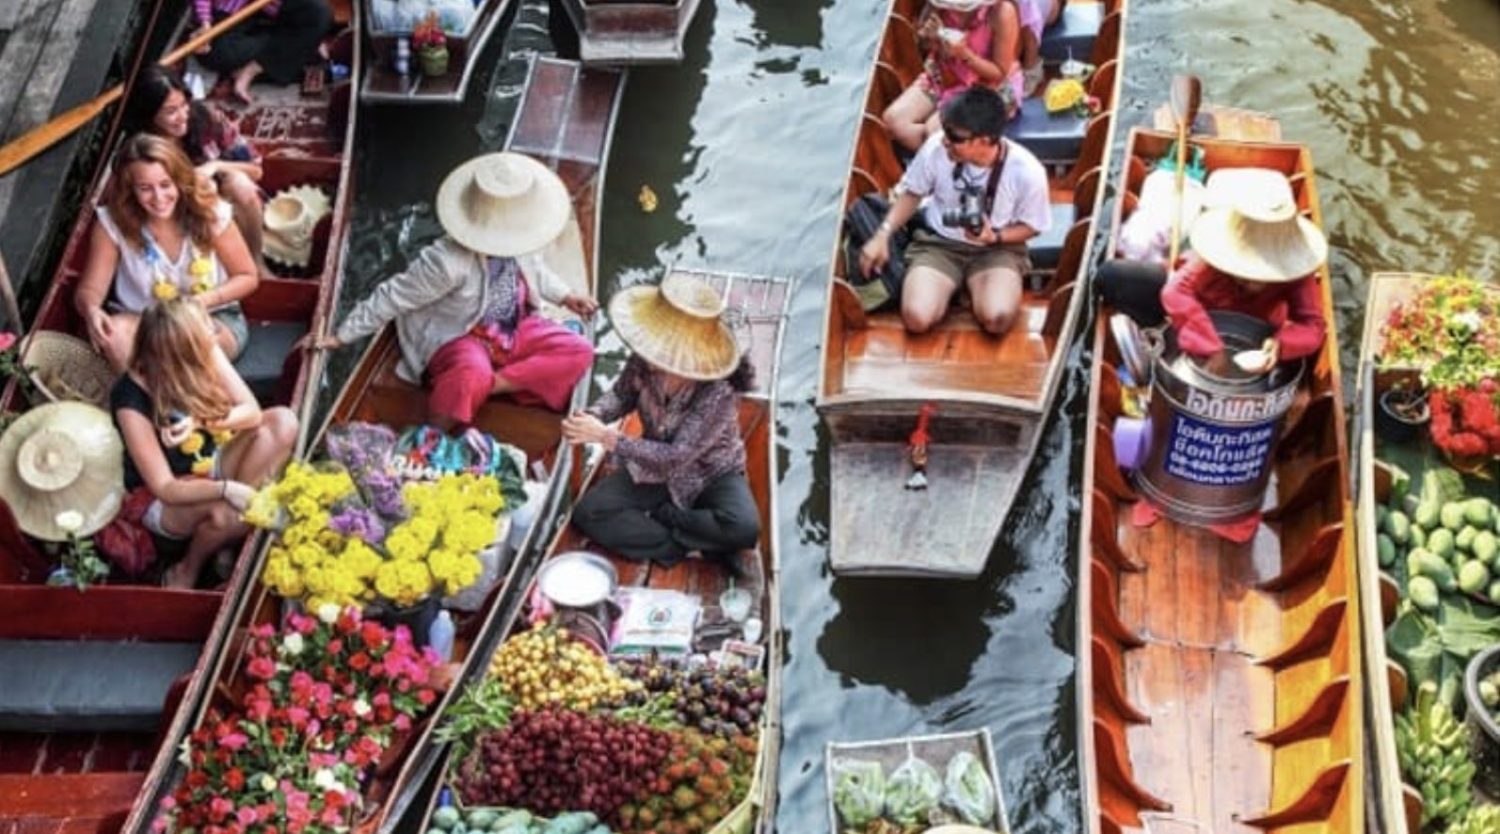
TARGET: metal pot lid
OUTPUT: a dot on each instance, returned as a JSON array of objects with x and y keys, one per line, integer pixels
[
  {"x": 1132, "y": 348},
  {"x": 578, "y": 579}
]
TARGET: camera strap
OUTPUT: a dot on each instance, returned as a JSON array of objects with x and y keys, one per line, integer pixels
[{"x": 992, "y": 185}]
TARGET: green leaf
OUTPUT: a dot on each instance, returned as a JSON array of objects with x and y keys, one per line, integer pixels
[{"x": 1413, "y": 641}]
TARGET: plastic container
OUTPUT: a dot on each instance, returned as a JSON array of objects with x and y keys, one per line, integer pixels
[{"x": 440, "y": 636}]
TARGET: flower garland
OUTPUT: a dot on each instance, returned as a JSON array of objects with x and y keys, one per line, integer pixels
[
  {"x": 399, "y": 545},
  {"x": 324, "y": 699},
  {"x": 200, "y": 269}
]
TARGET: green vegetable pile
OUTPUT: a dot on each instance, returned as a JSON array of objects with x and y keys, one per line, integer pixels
[
  {"x": 1483, "y": 819},
  {"x": 450, "y": 820},
  {"x": 1433, "y": 748},
  {"x": 914, "y": 798}
]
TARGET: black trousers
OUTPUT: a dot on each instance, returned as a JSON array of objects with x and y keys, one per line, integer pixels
[
  {"x": 283, "y": 44},
  {"x": 639, "y": 521},
  {"x": 1133, "y": 288}
]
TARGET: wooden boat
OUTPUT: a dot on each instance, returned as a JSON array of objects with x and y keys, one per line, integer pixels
[
  {"x": 992, "y": 395},
  {"x": 382, "y": 84},
  {"x": 622, "y": 32},
  {"x": 575, "y": 144},
  {"x": 93, "y": 768},
  {"x": 1397, "y": 805},
  {"x": 1219, "y": 684},
  {"x": 761, "y": 304}
]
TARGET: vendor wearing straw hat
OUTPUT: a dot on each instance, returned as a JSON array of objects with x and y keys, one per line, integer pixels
[
  {"x": 465, "y": 309},
  {"x": 681, "y": 489},
  {"x": 1253, "y": 253}
]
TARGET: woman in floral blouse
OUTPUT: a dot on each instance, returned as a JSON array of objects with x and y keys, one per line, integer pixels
[{"x": 680, "y": 490}]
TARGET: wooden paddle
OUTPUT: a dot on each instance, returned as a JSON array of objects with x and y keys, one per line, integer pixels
[
  {"x": 42, "y": 137},
  {"x": 1185, "y": 98}
]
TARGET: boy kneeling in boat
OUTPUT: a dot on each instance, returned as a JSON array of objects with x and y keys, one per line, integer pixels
[
  {"x": 465, "y": 310},
  {"x": 982, "y": 197}
]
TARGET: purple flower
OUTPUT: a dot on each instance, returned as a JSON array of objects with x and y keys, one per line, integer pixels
[
  {"x": 360, "y": 523},
  {"x": 384, "y": 492}
]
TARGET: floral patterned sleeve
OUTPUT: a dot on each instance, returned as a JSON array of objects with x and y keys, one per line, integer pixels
[
  {"x": 621, "y": 398},
  {"x": 694, "y": 434}
]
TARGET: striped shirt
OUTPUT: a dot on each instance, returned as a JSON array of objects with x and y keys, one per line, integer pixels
[{"x": 205, "y": 9}]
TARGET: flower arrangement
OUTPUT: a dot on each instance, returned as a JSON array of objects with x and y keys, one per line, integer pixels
[
  {"x": 11, "y": 366},
  {"x": 431, "y": 45},
  {"x": 78, "y": 561},
  {"x": 325, "y": 698},
  {"x": 352, "y": 541},
  {"x": 1450, "y": 330}
]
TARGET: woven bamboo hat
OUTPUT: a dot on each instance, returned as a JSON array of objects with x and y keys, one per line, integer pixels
[
  {"x": 1252, "y": 229},
  {"x": 290, "y": 218},
  {"x": 503, "y": 204},
  {"x": 60, "y": 460},
  {"x": 66, "y": 367},
  {"x": 678, "y": 327}
]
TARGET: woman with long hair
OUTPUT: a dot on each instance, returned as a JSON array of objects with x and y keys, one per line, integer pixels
[
  {"x": 197, "y": 444},
  {"x": 161, "y": 234},
  {"x": 162, "y": 105}
]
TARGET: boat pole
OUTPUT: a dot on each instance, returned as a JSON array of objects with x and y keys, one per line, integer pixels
[
  {"x": 1185, "y": 97},
  {"x": 38, "y": 139}
]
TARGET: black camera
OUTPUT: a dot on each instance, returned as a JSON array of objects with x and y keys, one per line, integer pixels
[{"x": 969, "y": 213}]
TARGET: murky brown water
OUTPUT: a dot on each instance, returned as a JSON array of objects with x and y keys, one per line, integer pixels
[{"x": 747, "y": 144}]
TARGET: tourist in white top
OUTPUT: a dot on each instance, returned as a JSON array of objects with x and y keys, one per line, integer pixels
[
  {"x": 963, "y": 243},
  {"x": 161, "y": 234}
]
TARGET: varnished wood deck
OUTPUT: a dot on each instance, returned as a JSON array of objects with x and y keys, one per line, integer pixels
[{"x": 1219, "y": 683}]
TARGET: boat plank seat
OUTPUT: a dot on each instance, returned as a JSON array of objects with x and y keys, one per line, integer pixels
[
  {"x": 265, "y": 357},
  {"x": 1073, "y": 33},
  {"x": 1058, "y": 138},
  {"x": 90, "y": 685},
  {"x": 954, "y": 356}
]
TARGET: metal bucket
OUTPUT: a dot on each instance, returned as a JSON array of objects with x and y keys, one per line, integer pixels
[{"x": 1212, "y": 435}]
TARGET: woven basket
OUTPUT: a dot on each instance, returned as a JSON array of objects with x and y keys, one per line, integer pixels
[{"x": 66, "y": 367}]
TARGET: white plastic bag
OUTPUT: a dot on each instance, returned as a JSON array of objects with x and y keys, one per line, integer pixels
[{"x": 1147, "y": 233}]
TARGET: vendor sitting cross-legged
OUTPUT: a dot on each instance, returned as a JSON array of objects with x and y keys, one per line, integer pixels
[{"x": 466, "y": 308}]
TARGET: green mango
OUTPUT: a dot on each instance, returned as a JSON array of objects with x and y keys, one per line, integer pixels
[
  {"x": 1398, "y": 526},
  {"x": 1452, "y": 515},
  {"x": 1385, "y": 550},
  {"x": 1465, "y": 538},
  {"x": 1485, "y": 546},
  {"x": 1423, "y": 593},
  {"x": 1441, "y": 542},
  {"x": 1425, "y": 563},
  {"x": 1494, "y": 593},
  {"x": 1473, "y": 578},
  {"x": 1418, "y": 536},
  {"x": 446, "y": 817},
  {"x": 1477, "y": 511},
  {"x": 481, "y": 819},
  {"x": 1426, "y": 515}
]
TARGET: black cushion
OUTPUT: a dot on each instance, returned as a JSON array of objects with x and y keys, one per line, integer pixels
[
  {"x": 1074, "y": 30},
  {"x": 1052, "y": 137},
  {"x": 260, "y": 363},
  {"x": 1047, "y": 247},
  {"x": 89, "y": 685}
]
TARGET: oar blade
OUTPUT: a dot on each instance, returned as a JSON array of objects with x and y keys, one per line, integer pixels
[{"x": 1186, "y": 97}]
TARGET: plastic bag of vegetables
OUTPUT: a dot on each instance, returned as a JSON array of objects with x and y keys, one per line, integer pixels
[
  {"x": 913, "y": 792},
  {"x": 858, "y": 790},
  {"x": 969, "y": 791}
]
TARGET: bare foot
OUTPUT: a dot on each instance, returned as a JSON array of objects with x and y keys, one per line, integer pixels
[{"x": 243, "y": 78}]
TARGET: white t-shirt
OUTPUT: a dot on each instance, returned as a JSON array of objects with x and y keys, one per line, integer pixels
[
  {"x": 1021, "y": 196},
  {"x": 134, "y": 273}
]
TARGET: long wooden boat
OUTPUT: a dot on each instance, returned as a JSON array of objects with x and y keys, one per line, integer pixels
[
  {"x": 91, "y": 768},
  {"x": 761, "y": 304},
  {"x": 992, "y": 395},
  {"x": 382, "y": 84},
  {"x": 1219, "y": 683},
  {"x": 622, "y": 32},
  {"x": 1397, "y": 804},
  {"x": 575, "y": 143}
]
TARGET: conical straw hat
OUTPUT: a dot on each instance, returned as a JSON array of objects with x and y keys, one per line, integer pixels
[
  {"x": 61, "y": 458},
  {"x": 503, "y": 204},
  {"x": 677, "y": 327},
  {"x": 1253, "y": 230}
]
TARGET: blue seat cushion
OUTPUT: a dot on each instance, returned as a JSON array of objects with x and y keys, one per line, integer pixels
[
  {"x": 1052, "y": 137},
  {"x": 1047, "y": 247},
  {"x": 89, "y": 686},
  {"x": 260, "y": 363},
  {"x": 1074, "y": 30}
]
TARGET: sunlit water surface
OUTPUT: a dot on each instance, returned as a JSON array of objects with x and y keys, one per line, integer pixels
[{"x": 747, "y": 144}]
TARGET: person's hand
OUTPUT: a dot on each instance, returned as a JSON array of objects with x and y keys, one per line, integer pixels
[
  {"x": 585, "y": 428},
  {"x": 316, "y": 341},
  {"x": 204, "y": 49},
  {"x": 173, "y": 436},
  {"x": 874, "y": 255},
  {"x": 987, "y": 235},
  {"x": 929, "y": 28},
  {"x": 101, "y": 328},
  {"x": 583, "y": 305},
  {"x": 238, "y": 494}
]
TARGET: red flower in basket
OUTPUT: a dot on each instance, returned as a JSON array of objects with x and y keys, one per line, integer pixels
[{"x": 428, "y": 34}]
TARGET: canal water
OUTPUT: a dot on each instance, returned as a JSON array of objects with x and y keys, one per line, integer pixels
[{"x": 746, "y": 145}]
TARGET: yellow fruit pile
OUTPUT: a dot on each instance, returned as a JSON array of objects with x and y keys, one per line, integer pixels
[
  {"x": 1062, "y": 94},
  {"x": 544, "y": 666}
]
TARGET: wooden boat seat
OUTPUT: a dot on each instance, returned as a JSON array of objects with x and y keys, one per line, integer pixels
[
  {"x": 1052, "y": 137},
  {"x": 90, "y": 685},
  {"x": 1046, "y": 248},
  {"x": 1073, "y": 33},
  {"x": 265, "y": 356}
]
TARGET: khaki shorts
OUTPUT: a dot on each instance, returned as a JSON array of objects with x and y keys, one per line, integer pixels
[{"x": 958, "y": 261}]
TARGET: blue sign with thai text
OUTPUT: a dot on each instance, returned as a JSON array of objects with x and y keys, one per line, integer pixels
[{"x": 1214, "y": 455}]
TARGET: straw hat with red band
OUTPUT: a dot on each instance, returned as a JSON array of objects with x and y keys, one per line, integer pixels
[
  {"x": 503, "y": 204},
  {"x": 62, "y": 463},
  {"x": 1252, "y": 229},
  {"x": 678, "y": 327}
]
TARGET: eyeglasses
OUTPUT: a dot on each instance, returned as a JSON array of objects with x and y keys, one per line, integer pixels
[{"x": 955, "y": 138}]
